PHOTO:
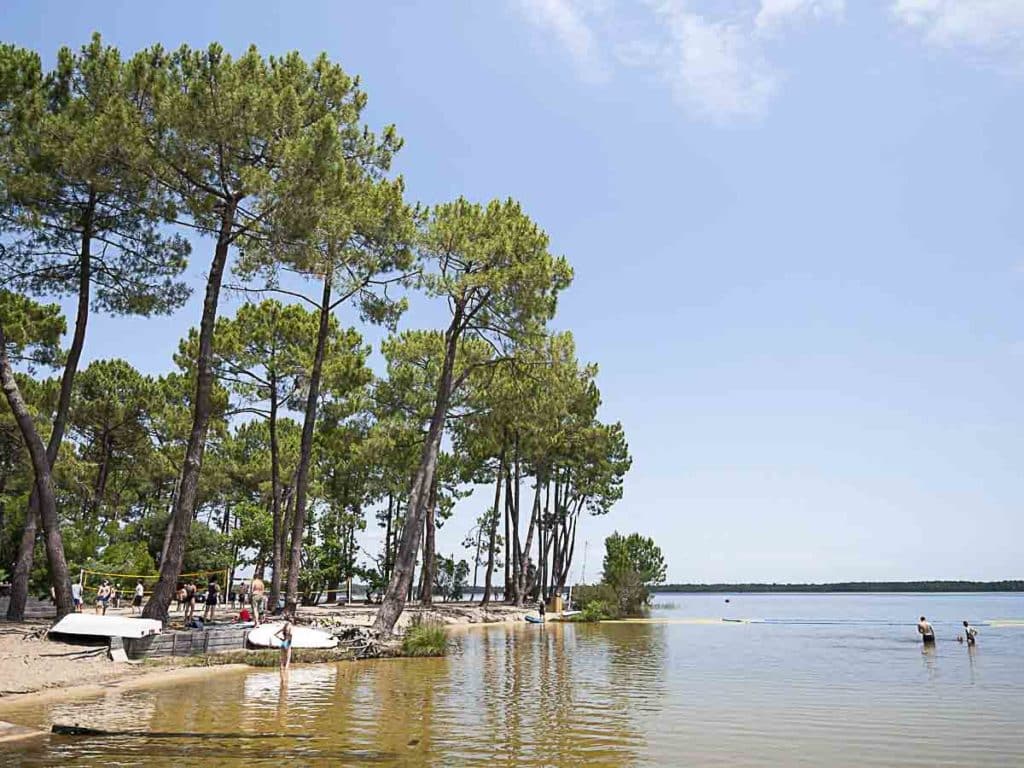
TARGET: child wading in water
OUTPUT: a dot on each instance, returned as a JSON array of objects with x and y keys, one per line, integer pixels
[{"x": 284, "y": 634}]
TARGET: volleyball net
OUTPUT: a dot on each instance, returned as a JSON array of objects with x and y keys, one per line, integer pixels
[{"x": 124, "y": 583}]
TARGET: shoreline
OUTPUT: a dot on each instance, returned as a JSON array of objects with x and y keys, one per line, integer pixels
[{"x": 38, "y": 669}]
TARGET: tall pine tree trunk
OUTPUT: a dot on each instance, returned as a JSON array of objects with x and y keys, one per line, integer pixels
[
  {"x": 429, "y": 558},
  {"x": 306, "y": 447},
  {"x": 493, "y": 532},
  {"x": 27, "y": 544},
  {"x": 185, "y": 503},
  {"x": 277, "y": 546},
  {"x": 47, "y": 505},
  {"x": 419, "y": 493}
]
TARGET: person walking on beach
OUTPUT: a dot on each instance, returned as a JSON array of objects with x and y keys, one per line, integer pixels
[
  {"x": 926, "y": 631},
  {"x": 103, "y": 597},
  {"x": 284, "y": 634},
  {"x": 190, "y": 600},
  {"x": 76, "y": 595},
  {"x": 140, "y": 591},
  {"x": 243, "y": 595},
  {"x": 212, "y": 591},
  {"x": 257, "y": 596},
  {"x": 970, "y": 634}
]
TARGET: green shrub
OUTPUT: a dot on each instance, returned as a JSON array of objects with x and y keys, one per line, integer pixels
[
  {"x": 596, "y": 610},
  {"x": 425, "y": 638},
  {"x": 596, "y": 601}
]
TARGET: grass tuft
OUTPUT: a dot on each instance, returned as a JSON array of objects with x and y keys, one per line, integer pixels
[{"x": 425, "y": 638}]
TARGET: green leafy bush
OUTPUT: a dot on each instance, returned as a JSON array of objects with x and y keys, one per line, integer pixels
[
  {"x": 425, "y": 638},
  {"x": 597, "y": 610},
  {"x": 595, "y": 602}
]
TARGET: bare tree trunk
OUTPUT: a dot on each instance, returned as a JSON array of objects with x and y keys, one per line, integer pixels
[
  {"x": 387, "y": 540},
  {"x": 27, "y": 545},
  {"x": 525, "y": 585},
  {"x": 277, "y": 546},
  {"x": 476, "y": 552},
  {"x": 306, "y": 447},
  {"x": 508, "y": 542},
  {"x": 401, "y": 581},
  {"x": 429, "y": 559},
  {"x": 543, "y": 544},
  {"x": 44, "y": 483},
  {"x": 493, "y": 532},
  {"x": 185, "y": 504}
]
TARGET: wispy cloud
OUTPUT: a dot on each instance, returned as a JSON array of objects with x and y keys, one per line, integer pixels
[
  {"x": 714, "y": 61},
  {"x": 570, "y": 23},
  {"x": 777, "y": 14},
  {"x": 715, "y": 68},
  {"x": 993, "y": 29}
]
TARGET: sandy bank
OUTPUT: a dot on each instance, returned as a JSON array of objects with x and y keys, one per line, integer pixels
[{"x": 48, "y": 669}]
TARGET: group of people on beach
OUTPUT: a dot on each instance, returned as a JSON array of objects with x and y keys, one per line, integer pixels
[
  {"x": 927, "y": 632},
  {"x": 107, "y": 596},
  {"x": 250, "y": 599}
]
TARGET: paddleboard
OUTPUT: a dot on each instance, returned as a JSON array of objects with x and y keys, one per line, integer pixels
[
  {"x": 534, "y": 619},
  {"x": 302, "y": 637},
  {"x": 91, "y": 625}
]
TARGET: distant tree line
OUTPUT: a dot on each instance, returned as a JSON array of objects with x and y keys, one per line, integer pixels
[{"x": 853, "y": 586}]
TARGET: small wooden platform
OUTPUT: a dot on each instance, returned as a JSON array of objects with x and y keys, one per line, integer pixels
[{"x": 188, "y": 642}]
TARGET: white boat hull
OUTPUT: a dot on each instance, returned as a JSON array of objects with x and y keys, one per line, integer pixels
[
  {"x": 302, "y": 637},
  {"x": 90, "y": 625}
]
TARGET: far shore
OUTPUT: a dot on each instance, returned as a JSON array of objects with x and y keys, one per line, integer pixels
[{"x": 846, "y": 587}]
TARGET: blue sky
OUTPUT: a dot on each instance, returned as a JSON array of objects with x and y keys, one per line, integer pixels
[{"x": 796, "y": 229}]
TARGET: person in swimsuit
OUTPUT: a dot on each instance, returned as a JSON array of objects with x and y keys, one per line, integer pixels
[
  {"x": 190, "y": 600},
  {"x": 257, "y": 592},
  {"x": 103, "y": 597},
  {"x": 212, "y": 592},
  {"x": 926, "y": 631},
  {"x": 970, "y": 633},
  {"x": 284, "y": 634}
]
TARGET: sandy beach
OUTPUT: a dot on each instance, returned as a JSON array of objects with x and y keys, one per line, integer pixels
[{"x": 35, "y": 665}]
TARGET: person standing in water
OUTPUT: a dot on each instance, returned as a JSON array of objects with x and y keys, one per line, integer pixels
[
  {"x": 926, "y": 631},
  {"x": 284, "y": 634},
  {"x": 970, "y": 634},
  {"x": 541, "y": 609}
]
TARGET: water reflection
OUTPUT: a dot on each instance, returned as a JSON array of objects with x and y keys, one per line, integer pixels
[{"x": 564, "y": 695}]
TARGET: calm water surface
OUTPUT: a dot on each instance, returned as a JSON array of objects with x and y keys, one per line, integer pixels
[{"x": 835, "y": 680}]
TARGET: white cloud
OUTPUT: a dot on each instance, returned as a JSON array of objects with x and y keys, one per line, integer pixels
[
  {"x": 715, "y": 67},
  {"x": 714, "y": 62},
  {"x": 775, "y": 14},
  {"x": 568, "y": 21},
  {"x": 991, "y": 27}
]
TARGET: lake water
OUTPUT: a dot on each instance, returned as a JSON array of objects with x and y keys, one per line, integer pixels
[{"x": 837, "y": 680}]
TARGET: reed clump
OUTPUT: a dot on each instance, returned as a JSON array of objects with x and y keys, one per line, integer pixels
[{"x": 425, "y": 638}]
